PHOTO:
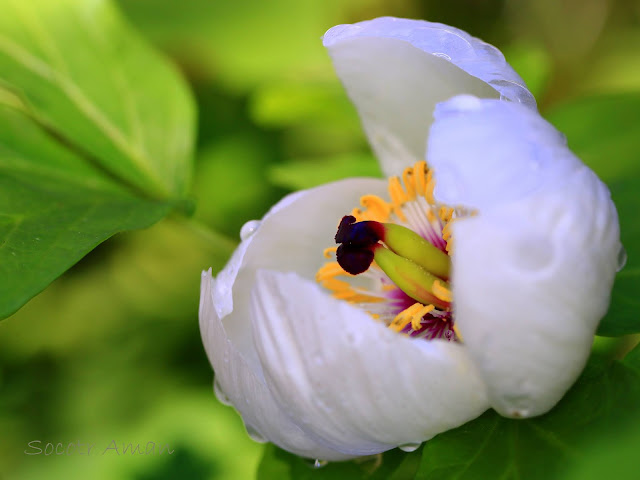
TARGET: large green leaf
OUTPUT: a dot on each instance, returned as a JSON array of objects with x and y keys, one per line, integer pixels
[
  {"x": 96, "y": 133},
  {"x": 601, "y": 402},
  {"x": 87, "y": 76},
  {"x": 281, "y": 465},
  {"x": 623, "y": 316}
]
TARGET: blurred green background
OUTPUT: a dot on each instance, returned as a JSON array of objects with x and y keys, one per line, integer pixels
[{"x": 111, "y": 350}]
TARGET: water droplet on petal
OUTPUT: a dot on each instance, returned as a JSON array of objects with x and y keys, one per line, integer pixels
[
  {"x": 442, "y": 55},
  {"x": 220, "y": 395},
  {"x": 317, "y": 463},
  {"x": 249, "y": 228},
  {"x": 622, "y": 258},
  {"x": 254, "y": 434},
  {"x": 521, "y": 413},
  {"x": 409, "y": 447}
]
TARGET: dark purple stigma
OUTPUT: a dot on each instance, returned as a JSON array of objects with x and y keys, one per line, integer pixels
[
  {"x": 358, "y": 243},
  {"x": 355, "y": 259},
  {"x": 360, "y": 233}
]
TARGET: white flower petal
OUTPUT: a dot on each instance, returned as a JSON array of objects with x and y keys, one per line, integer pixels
[
  {"x": 396, "y": 70},
  {"x": 357, "y": 386},
  {"x": 291, "y": 237},
  {"x": 532, "y": 272},
  {"x": 246, "y": 389}
]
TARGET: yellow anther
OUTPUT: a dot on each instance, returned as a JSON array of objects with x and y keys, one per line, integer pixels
[
  {"x": 396, "y": 192},
  {"x": 416, "y": 321},
  {"x": 408, "y": 315},
  {"x": 340, "y": 289},
  {"x": 440, "y": 291},
  {"x": 420, "y": 177},
  {"x": 376, "y": 208},
  {"x": 446, "y": 231},
  {"x": 449, "y": 246},
  {"x": 329, "y": 252},
  {"x": 354, "y": 297},
  {"x": 457, "y": 332},
  {"x": 445, "y": 213},
  {"x": 428, "y": 190},
  {"x": 329, "y": 270},
  {"x": 398, "y": 197},
  {"x": 335, "y": 285},
  {"x": 413, "y": 314},
  {"x": 358, "y": 213},
  {"x": 409, "y": 183},
  {"x": 399, "y": 323}
]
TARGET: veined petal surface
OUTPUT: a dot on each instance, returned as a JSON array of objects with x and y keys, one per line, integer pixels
[{"x": 350, "y": 382}]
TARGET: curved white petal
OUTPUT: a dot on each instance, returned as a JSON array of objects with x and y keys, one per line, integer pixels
[
  {"x": 291, "y": 237},
  {"x": 246, "y": 390},
  {"x": 532, "y": 272},
  {"x": 351, "y": 383},
  {"x": 396, "y": 70}
]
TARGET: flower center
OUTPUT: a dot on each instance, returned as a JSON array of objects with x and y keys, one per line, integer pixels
[{"x": 394, "y": 257}]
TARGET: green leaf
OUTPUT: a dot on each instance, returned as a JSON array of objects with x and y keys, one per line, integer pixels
[
  {"x": 603, "y": 400},
  {"x": 281, "y": 465},
  {"x": 96, "y": 133},
  {"x": 603, "y": 131},
  {"x": 91, "y": 79},
  {"x": 610, "y": 457},
  {"x": 623, "y": 316}
]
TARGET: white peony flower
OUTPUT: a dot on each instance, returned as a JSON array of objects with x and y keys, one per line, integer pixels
[{"x": 328, "y": 365}]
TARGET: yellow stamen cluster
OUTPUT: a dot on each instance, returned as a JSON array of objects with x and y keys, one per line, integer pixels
[
  {"x": 413, "y": 315},
  {"x": 417, "y": 181},
  {"x": 416, "y": 184},
  {"x": 326, "y": 276}
]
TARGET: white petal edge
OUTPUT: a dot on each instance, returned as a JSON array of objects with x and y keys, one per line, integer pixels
[
  {"x": 348, "y": 381},
  {"x": 247, "y": 391},
  {"x": 396, "y": 70},
  {"x": 533, "y": 271}
]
